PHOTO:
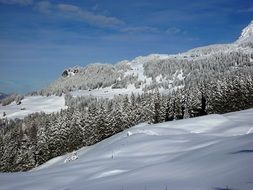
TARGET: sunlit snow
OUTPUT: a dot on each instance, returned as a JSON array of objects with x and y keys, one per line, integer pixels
[
  {"x": 211, "y": 152},
  {"x": 32, "y": 104}
]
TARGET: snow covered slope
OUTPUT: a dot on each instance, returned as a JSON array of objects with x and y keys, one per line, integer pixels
[
  {"x": 32, "y": 104},
  {"x": 206, "y": 153},
  {"x": 162, "y": 71},
  {"x": 144, "y": 74},
  {"x": 106, "y": 92},
  {"x": 247, "y": 34}
]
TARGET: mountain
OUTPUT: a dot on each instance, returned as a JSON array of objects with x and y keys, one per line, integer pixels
[
  {"x": 217, "y": 64},
  {"x": 247, "y": 34},
  {"x": 167, "y": 72},
  {"x": 214, "y": 79},
  {"x": 210, "y": 152}
]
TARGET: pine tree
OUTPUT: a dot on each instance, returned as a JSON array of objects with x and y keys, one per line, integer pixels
[{"x": 156, "y": 107}]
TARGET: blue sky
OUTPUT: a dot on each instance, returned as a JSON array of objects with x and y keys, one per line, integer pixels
[{"x": 38, "y": 38}]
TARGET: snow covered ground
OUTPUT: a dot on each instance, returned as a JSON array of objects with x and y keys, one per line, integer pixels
[
  {"x": 32, "y": 104},
  {"x": 205, "y": 153},
  {"x": 107, "y": 92},
  {"x": 137, "y": 70}
]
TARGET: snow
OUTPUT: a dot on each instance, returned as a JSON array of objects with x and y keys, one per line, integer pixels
[
  {"x": 209, "y": 152},
  {"x": 159, "y": 78},
  {"x": 71, "y": 74},
  {"x": 137, "y": 68},
  {"x": 32, "y": 104},
  {"x": 107, "y": 92},
  {"x": 72, "y": 157},
  {"x": 247, "y": 34},
  {"x": 180, "y": 75}
]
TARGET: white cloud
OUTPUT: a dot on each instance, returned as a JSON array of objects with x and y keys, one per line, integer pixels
[
  {"x": 72, "y": 11},
  {"x": 75, "y": 12},
  {"x": 68, "y": 8},
  {"x": 88, "y": 16},
  {"x": 20, "y": 2}
]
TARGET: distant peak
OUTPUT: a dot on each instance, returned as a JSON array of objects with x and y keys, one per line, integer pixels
[{"x": 247, "y": 34}]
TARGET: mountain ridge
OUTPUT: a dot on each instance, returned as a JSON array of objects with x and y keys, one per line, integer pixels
[
  {"x": 247, "y": 34},
  {"x": 137, "y": 71}
]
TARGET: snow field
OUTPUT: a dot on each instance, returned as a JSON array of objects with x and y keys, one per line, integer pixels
[
  {"x": 32, "y": 104},
  {"x": 210, "y": 152}
]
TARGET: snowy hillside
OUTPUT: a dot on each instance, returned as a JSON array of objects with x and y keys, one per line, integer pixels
[
  {"x": 162, "y": 71},
  {"x": 32, "y": 104},
  {"x": 247, "y": 34},
  {"x": 106, "y": 92},
  {"x": 211, "y": 152},
  {"x": 165, "y": 72},
  {"x": 209, "y": 64}
]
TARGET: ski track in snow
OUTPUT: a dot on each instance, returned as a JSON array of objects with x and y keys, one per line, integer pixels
[{"x": 209, "y": 152}]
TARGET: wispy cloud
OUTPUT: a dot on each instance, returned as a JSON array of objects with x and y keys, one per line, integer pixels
[
  {"x": 93, "y": 17},
  {"x": 68, "y": 8},
  {"x": 76, "y": 12},
  {"x": 89, "y": 17},
  {"x": 247, "y": 10},
  {"x": 139, "y": 29},
  {"x": 20, "y": 2},
  {"x": 174, "y": 31}
]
